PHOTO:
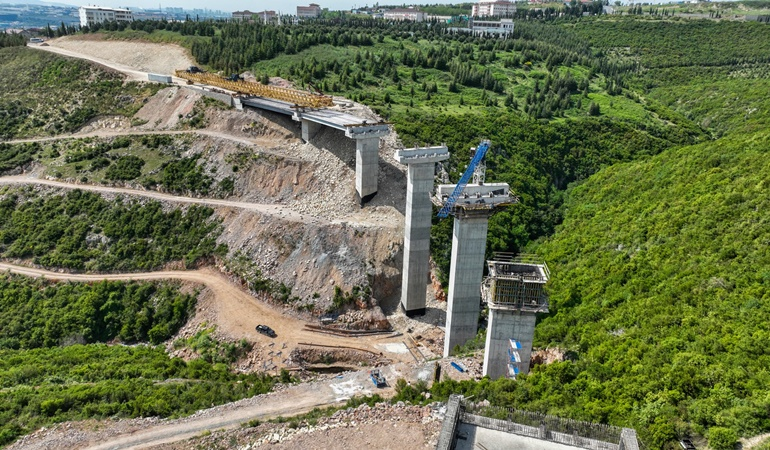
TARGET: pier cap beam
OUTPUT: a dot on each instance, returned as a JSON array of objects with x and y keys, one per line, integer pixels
[
  {"x": 418, "y": 215},
  {"x": 422, "y": 155}
]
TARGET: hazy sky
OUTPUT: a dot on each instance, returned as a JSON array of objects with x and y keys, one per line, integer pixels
[{"x": 286, "y": 6}]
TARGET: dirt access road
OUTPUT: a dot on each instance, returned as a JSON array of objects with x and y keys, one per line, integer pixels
[
  {"x": 294, "y": 400},
  {"x": 134, "y": 58},
  {"x": 237, "y": 311},
  {"x": 281, "y": 211}
]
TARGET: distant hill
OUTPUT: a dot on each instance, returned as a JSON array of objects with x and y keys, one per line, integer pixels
[{"x": 41, "y": 3}]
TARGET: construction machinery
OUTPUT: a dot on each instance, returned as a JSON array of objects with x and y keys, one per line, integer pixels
[
  {"x": 481, "y": 151},
  {"x": 236, "y": 84},
  {"x": 378, "y": 378}
]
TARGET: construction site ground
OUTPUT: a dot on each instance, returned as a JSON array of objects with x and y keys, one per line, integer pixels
[{"x": 324, "y": 175}]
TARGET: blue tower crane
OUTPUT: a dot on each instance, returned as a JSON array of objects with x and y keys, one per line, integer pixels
[{"x": 481, "y": 150}]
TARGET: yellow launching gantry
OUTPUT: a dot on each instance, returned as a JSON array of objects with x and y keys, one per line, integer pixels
[{"x": 299, "y": 98}]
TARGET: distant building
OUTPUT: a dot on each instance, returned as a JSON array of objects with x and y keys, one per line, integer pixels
[
  {"x": 502, "y": 27},
  {"x": 264, "y": 16},
  {"x": 267, "y": 16},
  {"x": 243, "y": 15},
  {"x": 498, "y": 8},
  {"x": 309, "y": 12},
  {"x": 413, "y": 14},
  {"x": 90, "y": 15}
]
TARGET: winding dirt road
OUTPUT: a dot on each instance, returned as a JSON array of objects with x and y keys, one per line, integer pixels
[
  {"x": 276, "y": 210},
  {"x": 236, "y": 310},
  {"x": 291, "y": 401}
]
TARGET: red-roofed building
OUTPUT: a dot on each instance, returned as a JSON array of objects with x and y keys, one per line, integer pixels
[{"x": 309, "y": 12}]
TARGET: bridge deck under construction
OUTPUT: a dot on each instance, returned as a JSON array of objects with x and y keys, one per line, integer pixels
[{"x": 350, "y": 124}]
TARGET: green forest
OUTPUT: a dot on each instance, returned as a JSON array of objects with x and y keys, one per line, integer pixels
[{"x": 55, "y": 366}]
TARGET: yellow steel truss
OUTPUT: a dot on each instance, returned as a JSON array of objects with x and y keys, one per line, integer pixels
[{"x": 298, "y": 98}]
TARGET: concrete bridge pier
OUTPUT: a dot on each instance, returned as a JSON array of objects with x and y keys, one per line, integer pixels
[
  {"x": 421, "y": 164},
  {"x": 309, "y": 129},
  {"x": 469, "y": 244},
  {"x": 367, "y": 137},
  {"x": 367, "y": 167},
  {"x": 504, "y": 326},
  {"x": 514, "y": 291}
]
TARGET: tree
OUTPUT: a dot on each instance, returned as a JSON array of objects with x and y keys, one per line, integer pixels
[
  {"x": 721, "y": 438},
  {"x": 593, "y": 109}
]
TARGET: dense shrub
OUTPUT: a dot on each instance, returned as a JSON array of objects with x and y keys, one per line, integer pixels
[
  {"x": 82, "y": 230},
  {"x": 38, "y": 313}
]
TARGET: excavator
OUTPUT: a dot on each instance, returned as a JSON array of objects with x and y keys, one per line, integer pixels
[{"x": 235, "y": 83}]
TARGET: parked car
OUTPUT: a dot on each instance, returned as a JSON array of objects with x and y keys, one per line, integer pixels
[
  {"x": 267, "y": 331},
  {"x": 687, "y": 444}
]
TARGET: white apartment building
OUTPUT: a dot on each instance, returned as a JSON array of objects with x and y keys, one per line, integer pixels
[
  {"x": 90, "y": 15},
  {"x": 502, "y": 27},
  {"x": 498, "y": 8},
  {"x": 399, "y": 14}
]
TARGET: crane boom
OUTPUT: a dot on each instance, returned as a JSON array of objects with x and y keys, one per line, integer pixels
[{"x": 481, "y": 150}]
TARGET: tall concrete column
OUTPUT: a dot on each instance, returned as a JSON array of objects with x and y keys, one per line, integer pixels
[
  {"x": 469, "y": 242},
  {"x": 419, "y": 209},
  {"x": 367, "y": 167},
  {"x": 503, "y": 326},
  {"x": 309, "y": 129}
]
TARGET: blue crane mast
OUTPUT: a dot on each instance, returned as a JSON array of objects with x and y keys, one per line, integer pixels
[{"x": 481, "y": 150}]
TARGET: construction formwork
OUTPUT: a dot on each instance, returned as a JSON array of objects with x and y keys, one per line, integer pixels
[
  {"x": 514, "y": 292},
  {"x": 517, "y": 282}
]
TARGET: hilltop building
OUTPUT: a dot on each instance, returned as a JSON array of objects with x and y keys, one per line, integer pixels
[
  {"x": 497, "y": 8},
  {"x": 400, "y": 14},
  {"x": 502, "y": 27},
  {"x": 90, "y": 15},
  {"x": 243, "y": 15},
  {"x": 309, "y": 12},
  {"x": 264, "y": 16}
]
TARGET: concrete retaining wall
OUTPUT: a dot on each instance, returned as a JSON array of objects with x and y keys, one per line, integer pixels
[
  {"x": 227, "y": 99},
  {"x": 159, "y": 78}
]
